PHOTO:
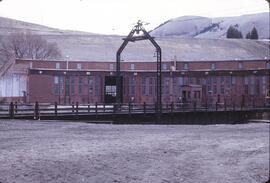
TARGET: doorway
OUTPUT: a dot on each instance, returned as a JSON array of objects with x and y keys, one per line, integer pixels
[{"x": 110, "y": 89}]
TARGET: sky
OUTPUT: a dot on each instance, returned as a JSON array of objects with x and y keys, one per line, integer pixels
[{"x": 119, "y": 16}]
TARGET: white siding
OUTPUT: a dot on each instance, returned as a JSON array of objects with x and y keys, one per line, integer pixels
[{"x": 12, "y": 85}]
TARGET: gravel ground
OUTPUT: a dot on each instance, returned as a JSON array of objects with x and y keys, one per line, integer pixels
[{"x": 49, "y": 151}]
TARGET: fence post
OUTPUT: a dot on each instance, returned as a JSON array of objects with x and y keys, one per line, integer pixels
[
  {"x": 144, "y": 107},
  {"x": 55, "y": 109},
  {"x": 234, "y": 106},
  {"x": 225, "y": 105},
  {"x": 72, "y": 107},
  {"x": 88, "y": 108},
  {"x": 216, "y": 106},
  {"x": 156, "y": 107},
  {"x": 129, "y": 107},
  {"x": 77, "y": 109},
  {"x": 11, "y": 110},
  {"x": 194, "y": 105},
  {"x": 206, "y": 105},
  {"x": 96, "y": 109},
  {"x": 172, "y": 105},
  {"x": 36, "y": 116},
  {"x": 16, "y": 107}
]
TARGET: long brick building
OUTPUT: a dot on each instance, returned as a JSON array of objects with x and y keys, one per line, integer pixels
[{"x": 233, "y": 82}]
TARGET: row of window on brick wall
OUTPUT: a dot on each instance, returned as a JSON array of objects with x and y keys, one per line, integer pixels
[
  {"x": 164, "y": 66},
  {"x": 66, "y": 85},
  {"x": 210, "y": 85}
]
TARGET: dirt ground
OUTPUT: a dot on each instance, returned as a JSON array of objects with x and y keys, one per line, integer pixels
[{"x": 50, "y": 151}]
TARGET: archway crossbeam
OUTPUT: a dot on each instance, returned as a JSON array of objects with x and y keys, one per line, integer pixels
[{"x": 131, "y": 38}]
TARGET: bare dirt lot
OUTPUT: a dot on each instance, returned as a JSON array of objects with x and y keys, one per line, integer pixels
[{"x": 50, "y": 151}]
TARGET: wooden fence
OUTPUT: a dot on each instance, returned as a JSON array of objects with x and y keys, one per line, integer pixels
[{"x": 38, "y": 111}]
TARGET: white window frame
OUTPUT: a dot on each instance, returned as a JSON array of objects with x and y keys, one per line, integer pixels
[
  {"x": 111, "y": 67},
  {"x": 132, "y": 66},
  {"x": 79, "y": 66},
  {"x": 185, "y": 66},
  {"x": 164, "y": 66},
  {"x": 57, "y": 65}
]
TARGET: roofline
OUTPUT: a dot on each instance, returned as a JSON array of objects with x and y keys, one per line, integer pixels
[{"x": 235, "y": 60}]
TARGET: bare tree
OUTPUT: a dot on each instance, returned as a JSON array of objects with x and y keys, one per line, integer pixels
[{"x": 28, "y": 46}]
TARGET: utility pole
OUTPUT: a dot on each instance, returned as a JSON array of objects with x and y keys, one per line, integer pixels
[
  {"x": 268, "y": 1},
  {"x": 137, "y": 29}
]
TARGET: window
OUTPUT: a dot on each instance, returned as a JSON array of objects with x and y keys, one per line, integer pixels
[
  {"x": 79, "y": 66},
  {"x": 56, "y": 85},
  {"x": 222, "y": 85},
  {"x": 132, "y": 66},
  {"x": 132, "y": 85},
  {"x": 180, "y": 83},
  {"x": 91, "y": 85},
  {"x": 167, "y": 84},
  {"x": 150, "y": 86},
  {"x": 57, "y": 66},
  {"x": 72, "y": 85},
  {"x": 174, "y": 86},
  {"x": 62, "y": 85},
  {"x": 246, "y": 85},
  {"x": 198, "y": 81},
  {"x": 185, "y": 80},
  {"x": 209, "y": 83},
  {"x": 240, "y": 65},
  {"x": 185, "y": 66},
  {"x": 191, "y": 80},
  {"x": 257, "y": 85},
  {"x": 67, "y": 85},
  {"x": 233, "y": 80},
  {"x": 111, "y": 66},
  {"x": 164, "y": 66},
  {"x": 31, "y": 65},
  {"x": 97, "y": 83},
  {"x": 143, "y": 85},
  {"x": 267, "y": 65},
  {"x": 80, "y": 84},
  {"x": 263, "y": 85},
  {"x": 213, "y": 66},
  {"x": 214, "y": 85},
  {"x": 252, "y": 80}
]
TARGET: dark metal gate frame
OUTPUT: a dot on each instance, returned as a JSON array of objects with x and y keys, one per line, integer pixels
[{"x": 138, "y": 28}]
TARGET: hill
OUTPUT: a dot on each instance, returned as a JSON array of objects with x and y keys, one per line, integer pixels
[{"x": 203, "y": 27}]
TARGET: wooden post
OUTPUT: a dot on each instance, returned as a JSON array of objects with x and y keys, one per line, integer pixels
[
  {"x": 88, "y": 108},
  {"x": 16, "y": 107},
  {"x": 72, "y": 107},
  {"x": 129, "y": 108},
  {"x": 55, "y": 109},
  {"x": 104, "y": 107},
  {"x": 96, "y": 109},
  {"x": 36, "y": 112},
  {"x": 11, "y": 110},
  {"x": 172, "y": 107},
  {"x": 77, "y": 110},
  {"x": 225, "y": 105},
  {"x": 144, "y": 107}
]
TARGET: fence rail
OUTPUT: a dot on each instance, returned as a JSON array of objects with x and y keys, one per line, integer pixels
[{"x": 37, "y": 111}]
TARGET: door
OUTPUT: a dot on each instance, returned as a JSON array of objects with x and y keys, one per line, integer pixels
[{"x": 110, "y": 89}]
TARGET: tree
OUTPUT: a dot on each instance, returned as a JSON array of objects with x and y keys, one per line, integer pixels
[
  {"x": 234, "y": 33},
  {"x": 27, "y": 46},
  {"x": 248, "y": 35},
  {"x": 254, "y": 34}
]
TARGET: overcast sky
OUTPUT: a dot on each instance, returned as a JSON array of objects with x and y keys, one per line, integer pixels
[{"x": 118, "y": 16}]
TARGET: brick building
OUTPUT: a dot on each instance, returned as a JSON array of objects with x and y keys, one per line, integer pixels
[{"x": 205, "y": 82}]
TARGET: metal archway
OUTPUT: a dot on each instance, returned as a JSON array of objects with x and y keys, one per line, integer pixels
[{"x": 138, "y": 28}]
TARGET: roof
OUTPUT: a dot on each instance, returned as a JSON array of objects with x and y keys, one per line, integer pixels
[{"x": 104, "y": 48}]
